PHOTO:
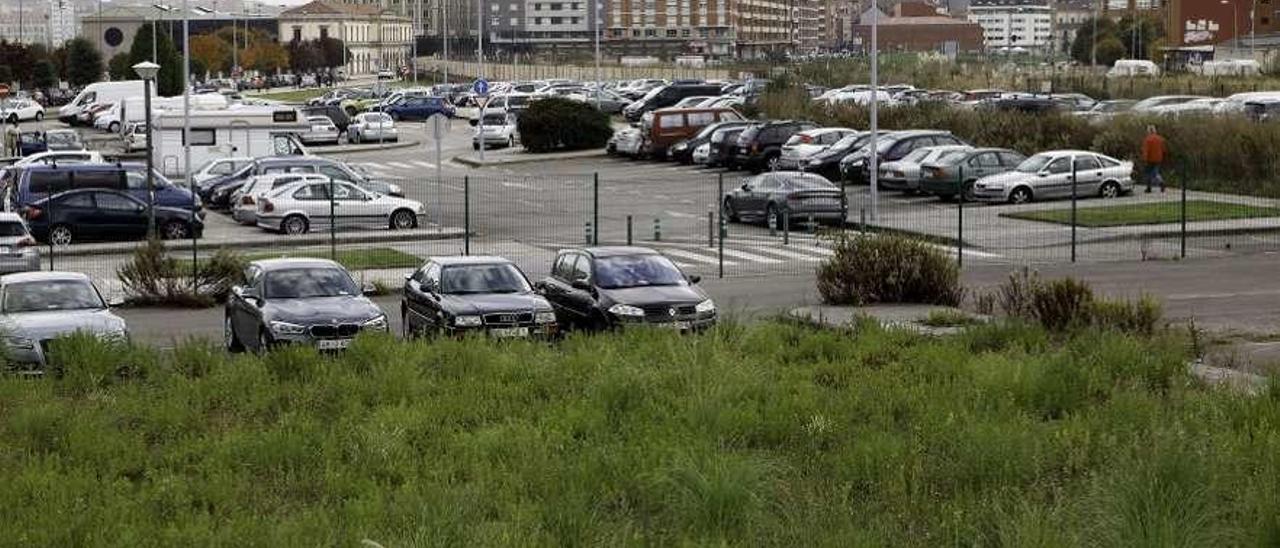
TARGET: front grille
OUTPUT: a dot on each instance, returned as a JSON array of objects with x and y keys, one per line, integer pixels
[
  {"x": 663, "y": 312},
  {"x": 343, "y": 331},
  {"x": 508, "y": 318}
]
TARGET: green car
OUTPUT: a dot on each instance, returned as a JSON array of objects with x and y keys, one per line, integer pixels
[{"x": 943, "y": 176}]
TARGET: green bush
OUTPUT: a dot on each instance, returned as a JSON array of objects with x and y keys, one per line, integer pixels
[
  {"x": 1067, "y": 304},
  {"x": 152, "y": 277},
  {"x": 1063, "y": 304},
  {"x": 867, "y": 269},
  {"x": 556, "y": 123}
]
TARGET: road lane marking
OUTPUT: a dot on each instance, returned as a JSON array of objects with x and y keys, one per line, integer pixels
[
  {"x": 521, "y": 186},
  {"x": 427, "y": 165},
  {"x": 680, "y": 253},
  {"x": 749, "y": 256},
  {"x": 400, "y": 165},
  {"x": 813, "y": 249},
  {"x": 680, "y": 215},
  {"x": 784, "y": 253}
]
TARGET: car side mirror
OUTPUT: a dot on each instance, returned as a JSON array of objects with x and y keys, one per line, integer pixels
[
  {"x": 695, "y": 279},
  {"x": 581, "y": 283}
]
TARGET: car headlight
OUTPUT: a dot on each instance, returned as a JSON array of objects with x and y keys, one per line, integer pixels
[
  {"x": 467, "y": 321},
  {"x": 376, "y": 324},
  {"x": 626, "y": 310},
  {"x": 816, "y": 161},
  {"x": 286, "y": 328},
  {"x": 705, "y": 307},
  {"x": 544, "y": 317},
  {"x": 19, "y": 342},
  {"x": 420, "y": 209}
]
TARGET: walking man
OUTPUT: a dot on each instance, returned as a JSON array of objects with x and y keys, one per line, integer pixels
[
  {"x": 1153, "y": 151},
  {"x": 13, "y": 139}
]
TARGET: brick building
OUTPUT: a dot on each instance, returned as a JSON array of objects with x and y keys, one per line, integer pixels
[{"x": 916, "y": 26}]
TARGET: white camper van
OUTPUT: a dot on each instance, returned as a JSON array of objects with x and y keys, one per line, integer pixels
[
  {"x": 238, "y": 131},
  {"x": 1133, "y": 67},
  {"x": 101, "y": 92},
  {"x": 132, "y": 109}
]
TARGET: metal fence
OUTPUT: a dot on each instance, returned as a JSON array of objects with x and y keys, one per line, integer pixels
[{"x": 528, "y": 217}]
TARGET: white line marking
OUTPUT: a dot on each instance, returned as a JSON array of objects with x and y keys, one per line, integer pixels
[
  {"x": 680, "y": 215},
  {"x": 428, "y": 165},
  {"x": 813, "y": 249},
  {"x": 517, "y": 185},
  {"x": 784, "y": 253},
  {"x": 693, "y": 256},
  {"x": 749, "y": 256},
  {"x": 400, "y": 165}
]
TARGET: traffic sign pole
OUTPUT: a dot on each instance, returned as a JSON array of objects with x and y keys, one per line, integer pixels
[{"x": 481, "y": 89}]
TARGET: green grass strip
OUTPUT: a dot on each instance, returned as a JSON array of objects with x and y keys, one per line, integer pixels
[
  {"x": 353, "y": 259},
  {"x": 1148, "y": 213}
]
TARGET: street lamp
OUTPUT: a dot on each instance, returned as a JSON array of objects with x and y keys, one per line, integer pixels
[
  {"x": 148, "y": 71},
  {"x": 154, "y": 39},
  {"x": 1235, "y": 22}
]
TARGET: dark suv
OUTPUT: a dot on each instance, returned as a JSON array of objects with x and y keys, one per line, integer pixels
[
  {"x": 666, "y": 96},
  {"x": 759, "y": 146},
  {"x": 893, "y": 146}
]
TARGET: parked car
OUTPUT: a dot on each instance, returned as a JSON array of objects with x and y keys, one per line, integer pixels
[
  {"x": 805, "y": 144},
  {"x": 20, "y": 110},
  {"x": 625, "y": 142},
  {"x": 372, "y": 126},
  {"x": 458, "y": 295},
  {"x": 683, "y": 151},
  {"x": 1049, "y": 175},
  {"x": 323, "y": 131},
  {"x": 298, "y": 207},
  {"x": 609, "y": 287},
  {"x": 904, "y": 174},
  {"x": 1103, "y": 110},
  {"x": 97, "y": 214},
  {"x": 500, "y": 130},
  {"x": 35, "y": 182},
  {"x": 892, "y": 146},
  {"x": 334, "y": 113},
  {"x": 826, "y": 162},
  {"x": 701, "y": 154},
  {"x": 949, "y": 173},
  {"x": 659, "y": 129},
  {"x": 610, "y": 102},
  {"x": 31, "y": 142},
  {"x": 298, "y": 301},
  {"x": 218, "y": 167},
  {"x": 1145, "y": 106},
  {"x": 245, "y": 201},
  {"x": 760, "y": 146},
  {"x": 419, "y": 108},
  {"x": 36, "y": 308},
  {"x": 18, "y": 252},
  {"x": 61, "y": 157},
  {"x": 769, "y": 197},
  {"x": 722, "y": 143},
  {"x": 218, "y": 192},
  {"x": 63, "y": 139},
  {"x": 665, "y": 96}
]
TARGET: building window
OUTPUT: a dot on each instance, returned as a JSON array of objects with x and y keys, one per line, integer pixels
[
  {"x": 297, "y": 34},
  {"x": 493, "y": 8},
  {"x": 513, "y": 7},
  {"x": 650, "y": 32},
  {"x": 514, "y": 21},
  {"x": 671, "y": 33},
  {"x": 575, "y": 20},
  {"x": 556, "y": 6},
  {"x": 537, "y": 20},
  {"x": 635, "y": 33},
  {"x": 557, "y": 20},
  {"x": 324, "y": 32}
]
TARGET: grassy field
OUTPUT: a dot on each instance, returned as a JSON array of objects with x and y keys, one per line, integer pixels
[
  {"x": 1148, "y": 214},
  {"x": 353, "y": 259},
  {"x": 765, "y": 435}
]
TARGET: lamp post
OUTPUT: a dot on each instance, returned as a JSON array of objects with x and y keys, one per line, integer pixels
[
  {"x": 165, "y": 8},
  {"x": 596, "y": 17},
  {"x": 148, "y": 71},
  {"x": 1235, "y": 22},
  {"x": 872, "y": 167}
]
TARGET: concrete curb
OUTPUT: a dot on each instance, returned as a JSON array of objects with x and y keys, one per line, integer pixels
[
  {"x": 296, "y": 241},
  {"x": 470, "y": 161},
  {"x": 369, "y": 147}
]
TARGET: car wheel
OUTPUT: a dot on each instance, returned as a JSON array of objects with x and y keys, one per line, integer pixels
[
  {"x": 966, "y": 190},
  {"x": 229, "y": 337},
  {"x": 39, "y": 115},
  {"x": 13, "y": 118},
  {"x": 1020, "y": 195},
  {"x": 728, "y": 212},
  {"x": 772, "y": 162},
  {"x": 294, "y": 225},
  {"x": 175, "y": 230},
  {"x": 403, "y": 219},
  {"x": 113, "y": 127},
  {"x": 60, "y": 235},
  {"x": 1110, "y": 189},
  {"x": 395, "y": 117}
]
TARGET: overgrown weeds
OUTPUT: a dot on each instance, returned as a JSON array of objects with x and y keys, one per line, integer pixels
[
  {"x": 153, "y": 278},
  {"x": 887, "y": 268},
  {"x": 1069, "y": 304}
]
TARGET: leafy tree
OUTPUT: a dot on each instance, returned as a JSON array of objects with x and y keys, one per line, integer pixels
[
  {"x": 44, "y": 74},
  {"x": 331, "y": 51},
  {"x": 265, "y": 56},
  {"x": 198, "y": 70},
  {"x": 20, "y": 58},
  {"x": 212, "y": 51},
  {"x": 304, "y": 56},
  {"x": 1110, "y": 50},
  {"x": 119, "y": 68},
  {"x": 84, "y": 62},
  {"x": 1082, "y": 46},
  {"x": 169, "y": 81},
  {"x": 6, "y": 74}
]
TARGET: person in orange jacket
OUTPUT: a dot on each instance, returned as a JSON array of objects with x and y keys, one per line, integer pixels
[{"x": 1153, "y": 152}]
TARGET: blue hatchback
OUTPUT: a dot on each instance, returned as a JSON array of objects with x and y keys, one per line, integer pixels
[
  {"x": 419, "y": 108},
  {"x": 34, "y": 182}
]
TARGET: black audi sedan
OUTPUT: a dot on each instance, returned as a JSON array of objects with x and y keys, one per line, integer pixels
[
  {"x": 298, "y": 301},
  {"x": 458, "y": 295},
  {"x": 607, "y": 287}
]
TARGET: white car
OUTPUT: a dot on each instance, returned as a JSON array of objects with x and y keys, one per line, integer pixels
[
  {"x": 299, "y": 207},
  {"x": 108, "y": 120},
  {"x": 218, "y": 167},
  {"x": 62, "y": 157},
  {"x": 904, "y": 174},
  {"x": 1048, "y": 175},
  {"x": 499, "y": 131},
  {"x": 135, "y": 137},
  {"x": 625, "y": 142},
  {"x": 244, "y": 208},
  {"x": 322, "y": 131},
  {"x": 20, "y": 110},
  {"x": 805, "y": 144},
  {"x": 372, "y": 126}
]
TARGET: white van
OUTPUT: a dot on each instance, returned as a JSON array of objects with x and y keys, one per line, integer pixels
[
  {"x": 101, "y": 92},
  {"x": 1229, "y": 67},
  {"x": 238, "y": 131},
  {"x": 1133, "y": 67}
]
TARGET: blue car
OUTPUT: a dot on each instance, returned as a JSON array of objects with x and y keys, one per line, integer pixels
[
  {"x": 419, "y": 108},
  {"x": 33, "y": 183}
]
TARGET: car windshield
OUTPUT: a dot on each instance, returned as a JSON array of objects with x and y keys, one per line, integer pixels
[
  {"x": 304, "y": 283},
  {"x": 12, "y": 228},
  {"x": 482, "y": 278},
  {"x": 44, "y": 295},
  {"x": 1034, "y": 164},
  {"x": 61, "y": 138},
  {"x": 319, "y": 120},
  {"x": 808, "y": 181},
  {"x": 916, "y": 155},
  {"x": 636, "y": 271},
  {"x": 951, "y": 157}
]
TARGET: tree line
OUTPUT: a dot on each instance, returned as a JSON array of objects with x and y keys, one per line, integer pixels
[{"x": 78, "y": 62}]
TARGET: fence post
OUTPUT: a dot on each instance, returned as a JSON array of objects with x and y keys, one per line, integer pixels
[
  {"x": 1074, "y": 197},
  {"x": 195, "y": 245},
  {"x": 862, "y": 220},
  {"x": 628, "y": 230},
  {"x": 786, "y": 227},
  {"x": 466, "y": 215},
  {"x": 657, "y": 229},
  {"x": 595, "y": 208},
  {"x": 333, "y": 237},
  {"x": 586, "y": 231},
  {"x": 1182, "y": 231},
  {"x": 960, "y": 220}
]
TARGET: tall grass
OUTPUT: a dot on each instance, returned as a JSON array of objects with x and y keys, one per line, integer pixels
[{"x": 772, "y": 434}]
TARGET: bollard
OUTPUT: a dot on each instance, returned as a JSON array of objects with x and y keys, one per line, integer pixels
[
  {"x": 657, "y": 229},
  {"x": 773, "y": 225},
  {"x": 586, "y": 232},
  {"x": 628, "y": 230},
  {"x": 724, "y": 232}
]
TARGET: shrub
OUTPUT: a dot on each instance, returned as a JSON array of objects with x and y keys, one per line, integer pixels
[
  {"x": 556, "y": 123},
  {"x": 1062, "y": 304},
  {"x": 1139, "y": 317},
  {"x": 152, "y": 278},
  {"x": 1067, "y": 304},
  {"x": 868, "y": 269}
]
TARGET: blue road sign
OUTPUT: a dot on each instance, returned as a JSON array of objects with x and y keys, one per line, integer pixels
[{"x": 480, "y": 87}]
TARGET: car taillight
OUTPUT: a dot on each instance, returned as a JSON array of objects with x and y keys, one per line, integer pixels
[
  {"x": 266, "y": 206},
  {"x": 26, "y": 241},
  {"x": 246, "y": 200},
  {"x": 31, "y": 213}
]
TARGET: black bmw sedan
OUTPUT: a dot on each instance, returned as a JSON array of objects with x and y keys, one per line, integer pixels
[
  {"x": 605, "y": 287},
  {"x": 474, "y": 294}
]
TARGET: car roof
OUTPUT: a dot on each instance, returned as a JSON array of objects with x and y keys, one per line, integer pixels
[
  {"x": 612, "y": 251},
  {"x": 453, "y": 260},
  {"x": 268, "y": 265},
  {"x": 42, "y": 276}
]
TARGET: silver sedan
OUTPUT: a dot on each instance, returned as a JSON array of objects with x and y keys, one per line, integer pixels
[
  {"x": 38, "y": 307},
  {"x": 1049, "y": 175}
]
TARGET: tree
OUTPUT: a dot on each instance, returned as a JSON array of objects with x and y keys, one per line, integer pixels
[
  {"x": 84, "y": 62},
  {"x": 304, "y": 56},
  {"x": 212, "y": 51},
  {"x": 1110, "y": 50},
  {"x": 1082, "y": 46},
  {"x": 44, "y": 75},
  {"x": 169, "y": 81},
  {"x": 119, "y": 68},
  {"x": 6, "y": 74},
  {"x": 332, "y": 51},
  {"x": 265, "y": 56},
  {"x": 20, "y": 58},
  {"x": 559, "y": 123}
]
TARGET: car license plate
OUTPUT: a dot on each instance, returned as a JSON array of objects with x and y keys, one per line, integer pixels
[
  {"x": 509, "y": 332},
  {"x": 333, "y": 344},
  {"x": 681, "y": 326}
]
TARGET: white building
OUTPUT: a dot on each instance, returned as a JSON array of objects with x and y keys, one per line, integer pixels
[
  {"x": 48, "y": 22},
  {"x": 375, "y": 38},
  {"x": 1014, "y": 25}
]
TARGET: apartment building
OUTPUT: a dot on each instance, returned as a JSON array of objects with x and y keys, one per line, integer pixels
[
  {"x": 48, "y": 22},
  {"x": 375, "y": 38},
  {"x": 1014, "y": 25}
]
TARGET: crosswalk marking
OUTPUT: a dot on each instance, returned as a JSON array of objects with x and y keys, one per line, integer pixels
[
  {"x": 694, "y": 256},
  {"x": 784, "y": 253},
  {"x": 749, "y": 256},
  {"x": 400, "y": 165},
  {"x": 813, "y": 249},
  {"x": 428, "y": 165}
]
